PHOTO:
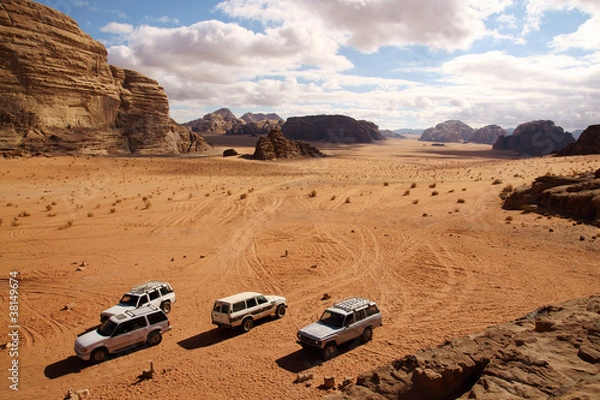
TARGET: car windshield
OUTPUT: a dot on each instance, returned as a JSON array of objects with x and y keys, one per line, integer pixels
[
  {"x": 129, "y": 300},
  {"x": 107, "y": 328},
  {"x": 332, "y": 319}
]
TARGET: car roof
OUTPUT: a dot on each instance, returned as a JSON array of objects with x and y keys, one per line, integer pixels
[
  {"x": 144, "y": 310},
  {"x": 351, "y": 304},
  {"x": 147, "y": 286},
  {"x": 239, "y": 297}
]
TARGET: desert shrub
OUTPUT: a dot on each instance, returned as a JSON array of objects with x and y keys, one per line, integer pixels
[
  {"x": 406, "y": 192},
  {"x": 313, "y": 193},
  {"x": 386, "y": 184},
  {"x": 67, "y": 225},
  {"x": 24, "y": 214},
  {"x": 347, "y": 200},
  {"x": 435, "y": 193},
  {"x": 413, "y": 185},
  {"x": 113, "y": 210},
  {"x": 49, "y": 207},
  {"x": 243, "y": 196},
  {"x": 508, "y": 219},
  {"x": 497, "y": 182},
  {"x": 333, "y": 197},
  {"x": 90, "y": 214},
  {"x": 460, "y": 201},
  {"x": 432, "y": 185},
  {"x": 416, "y": 201}
]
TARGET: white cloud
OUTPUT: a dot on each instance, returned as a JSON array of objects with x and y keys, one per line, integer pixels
[{"x": 117, "y": 28}]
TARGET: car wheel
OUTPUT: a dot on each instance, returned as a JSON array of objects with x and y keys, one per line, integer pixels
[
  {"x": 280, "y": 311},
  {"x": 247, "y": 325},
  {"x": 99, "y": 355},
  {"x": 329, "y": 351},
  {"x": 154, "y": 338},
  {"x": 166, "y": 307},
  {"x": 366, "y": 335}
]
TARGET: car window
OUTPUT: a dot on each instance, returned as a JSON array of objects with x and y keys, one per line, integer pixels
[
  {"x": 143, "y": 300},
  {"x": 154, "y": 295},
  {"x": 129, "y": 300},
  {"x": 217, "y": 307},
  {"x": 225, "y": 308},
  {"x": 372, "y": 310},
  {"x": 261, "y": 300},
  {"x": 157, "y": 317},
  {"x": 349, "y": 320},
  {"x": 166, "y": 290},
  {"x": 360, "y": 315},
  {"x": 239, "y": 306},
  {"x": 137, "y": 323},
  {"x": 107, "y": 328},
  {"x": 332, "y": 319},
  {"x": 251, "y": 302}
]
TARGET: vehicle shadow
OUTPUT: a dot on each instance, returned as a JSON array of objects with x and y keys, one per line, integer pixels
[
  {"x": 300, "y": 361},
  {"x": 208, "y": 338},
  {"x": 70, "y": 365}
]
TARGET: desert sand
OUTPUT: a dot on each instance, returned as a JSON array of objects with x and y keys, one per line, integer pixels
[{"x": 417, "y": 228}]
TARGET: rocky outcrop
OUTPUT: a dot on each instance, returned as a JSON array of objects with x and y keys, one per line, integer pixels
[
  {"x": 535, "y": 138},
  {"x": 588, "y": 143},
  {"x": 330, "y": 128},
  {"x": 552, "y": 353},
  {"x": 452, "y": 131},
  {"x": 217, "y": 122},
  {"x": 258, "y": 117},
  {"x": 257, "y": 128},
  {"x": 60, "y": 94},
  {"x": 573, "y": 197},
  {"x": 276, "y": 146},
  {"x": 488, "y": 134}
]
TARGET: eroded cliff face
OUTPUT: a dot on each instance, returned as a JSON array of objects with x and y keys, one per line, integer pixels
[{"x": 59, "y": 93}]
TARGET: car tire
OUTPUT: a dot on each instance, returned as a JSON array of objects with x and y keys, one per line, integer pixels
[
  {"x": 154, "y": 338},
  {"x": 166, "y": 307},
  {"x": 366, "y": 335},
  {"x": 247, "y": 325},
  {"x": 280, "y": 312},
  {"x": 329, "y": 351},
  {"x": 99, "y": 355}
]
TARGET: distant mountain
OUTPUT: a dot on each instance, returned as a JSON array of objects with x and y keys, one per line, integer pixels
[
  {"x": 386, "y": 133},
  {"x": 452, "y": 131},
  {"x": 535, "y": 138},
  {"x": 408, "y": 131},
  {"x": 488, "y": 134},
  {"x": 257, "y": 117}
]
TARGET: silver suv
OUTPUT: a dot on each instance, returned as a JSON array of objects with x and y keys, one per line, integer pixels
[
  {"x": 349, "y": 319},
  {"x": 157, "y": 293},
  {"x": 243, "y": 309},
  {"x": 119, "y": 332}
]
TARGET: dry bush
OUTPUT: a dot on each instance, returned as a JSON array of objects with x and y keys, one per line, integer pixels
[
  {"x": 386, "y": 184},
  {"x": 406, "y": 192},
  {"x": 432, "y": 185},
  {"x": 413, "y": 185},
  {"x": 347, "y": 200},
  {"x": 24, "y": 214},
  {"x": 90, "y": 214},
  {"x": 460, "y": 201},
  {"x": 313, "y": 193},
  {"x": 113, "y": 210},
  {"x": 67, "y": 225},
  {"x": 497, "y": 182},
  {"x": 333, "y": 197},
  {"x": 435, "y": 193},
  {"x": 416, "y": 201},
  {"x": 243, "y": 196}
]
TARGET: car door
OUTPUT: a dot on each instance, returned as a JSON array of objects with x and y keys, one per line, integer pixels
[
  {"x": 253, "y": 308},
  {"x": 155, "y": 299},
  {"x": 265, "y": 306},
  {"x": 143, "y": 300},
  {"x": 127, "y": 334},
  {"x": 350, "y": 329}
]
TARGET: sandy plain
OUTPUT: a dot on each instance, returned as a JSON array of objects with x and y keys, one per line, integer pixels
[{"x": 417, "y": 228}]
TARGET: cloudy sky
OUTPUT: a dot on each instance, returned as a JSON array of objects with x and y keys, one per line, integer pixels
[{"x": 398, "y": 63}]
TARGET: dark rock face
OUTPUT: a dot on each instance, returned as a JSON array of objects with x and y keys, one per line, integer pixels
[
  {"x": 451, "y": 131},
  {"x": 276, "y": 146},
  {"x": 572, "y": 197},
  {"x": 330, "y": 128},
  {"x": 588, "y": 143},
  {"x": 58, "y": 92},
  {"x": 488, "y": 134},
  {"x": 255, "y": 128},
  {"x": 535, "y": 138},
  {"x": 551, "y": 353},
  {"x": 219, "y": 121}
]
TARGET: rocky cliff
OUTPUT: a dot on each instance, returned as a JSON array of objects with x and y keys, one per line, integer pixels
[
  {"x": 276, "y": 146},
  {"x": 488, "y": 134},
  {"x": 588, "y": 143},
  {"x": 59, "y": 93},
  {"x": 258, "y": 117},
  {"x": 535, "y": 138},
  {"x": 452, "y": 131},
  {"x": 552, "y": 353},
  {"x": 330, "y": 128},
  {"x": 573, "y": 197}
]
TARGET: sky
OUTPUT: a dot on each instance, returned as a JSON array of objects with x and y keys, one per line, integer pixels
[{"x": 397, "y": 63}]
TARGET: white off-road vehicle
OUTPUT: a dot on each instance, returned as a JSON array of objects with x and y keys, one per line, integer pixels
[
  {"x": 349, "y": 319},
  {"x": 157, "y": 293},
  {"x": 123, "y": 331},
  {"x": 244, "y": 309}
]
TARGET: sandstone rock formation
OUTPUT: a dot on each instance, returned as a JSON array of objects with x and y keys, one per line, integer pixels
[
  {"x": 574, "y": 197},
  {"x": 330, "y": 128},
  {"x": 218, "y": 122},
  {"x": 257, "y": 128},
  {"x": 276, "y": 146},
  {"x": 588, "y": 143},
  {"x": 258, "y": 117},
  {"x": 452, "y": 131},
  {"x": 552, "y": 353},
  {"x": 488, "y": 134},
  {"x": 60, "y": 94},
  {"x": 535, "y": 138}
]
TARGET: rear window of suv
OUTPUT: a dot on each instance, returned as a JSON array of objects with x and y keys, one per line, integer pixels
[{"x": 156, "y": 317}]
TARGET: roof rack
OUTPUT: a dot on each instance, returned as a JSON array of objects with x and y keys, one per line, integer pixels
[
  {"x": 351, "y": 303},
  {"x": 142, "y": 287}
]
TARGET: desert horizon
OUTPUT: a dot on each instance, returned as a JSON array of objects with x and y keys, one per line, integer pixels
[{"x": 419, "y": 229}]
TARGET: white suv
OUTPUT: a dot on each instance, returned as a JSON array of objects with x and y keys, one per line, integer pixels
[
  {"x": 157, "y": 293},
  {"x": 243, "y": 309},
  {"x": 349, "y": 319},
  {"x": 119, "y": 332}
]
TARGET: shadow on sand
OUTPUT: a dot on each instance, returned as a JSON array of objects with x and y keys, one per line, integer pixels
[
  {"x": 208, "y": 338},
  {"x": 70, "y": 365}
]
